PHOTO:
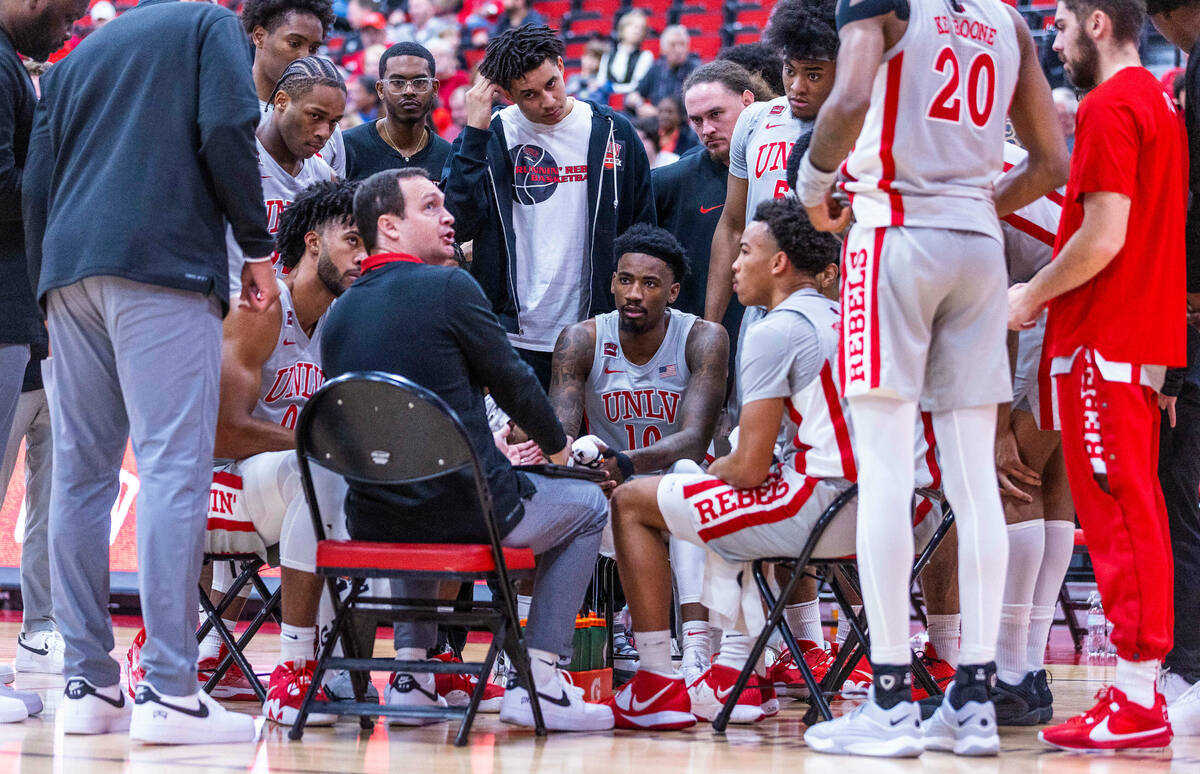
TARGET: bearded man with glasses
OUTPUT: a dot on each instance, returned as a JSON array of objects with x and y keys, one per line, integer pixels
[{"x": 403, "y": 137}]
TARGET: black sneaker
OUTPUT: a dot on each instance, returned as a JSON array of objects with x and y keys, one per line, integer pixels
[
  {"x": 1017, "y": 705},
  {"x": 1041, "y": 683}
]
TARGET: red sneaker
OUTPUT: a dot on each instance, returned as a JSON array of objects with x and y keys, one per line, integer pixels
[
  {"x": 286, "y": 691},
  {"x": 457, "y": 689},
  {"x": 653, "y": 702},
  {"x": 766, "y": 692},
  {"x": 787, "y": 677},
  {"x": 233, "y": 685},
  {"x": 133, "y": 663},
  {"x": 940, "y": 670},
  {"x": 711, "y": 691},
  {"x": 1115, "y": 723},
  {"x": 860, "y": 679}
]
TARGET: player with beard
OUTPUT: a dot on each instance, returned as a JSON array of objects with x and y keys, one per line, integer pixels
[
  {"x": 309, "y": 100},
  {"x": 270, "y": 366},
  {"x": 647, "y": 381},
  {"x": 282, "y": 31},
  {"x": 402, "y": 137}
]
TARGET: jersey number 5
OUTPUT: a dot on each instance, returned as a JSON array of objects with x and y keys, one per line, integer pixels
[{"x": 980, "y": 93}]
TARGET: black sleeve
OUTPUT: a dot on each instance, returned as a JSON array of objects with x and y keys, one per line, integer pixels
[
  {"x": 1173, "y": 384},
  {"x": 35, "y": 184},
  {"x": 227, "y": 117},
  {"x": 494, "y": 363},
  {"x": 857, "y": 10},
  {"x": 10, "y": 173},
  {"x": 663, "y": 182},
  {"x": 465, "y": 182}
]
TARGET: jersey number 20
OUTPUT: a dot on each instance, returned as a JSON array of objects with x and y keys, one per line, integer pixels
[{"x": 980, "y": 93}]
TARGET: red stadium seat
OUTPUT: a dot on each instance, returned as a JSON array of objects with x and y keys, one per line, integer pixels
[
  {"x": 575, "y": 50},
  {"x": 553, "y": 10},
  {"x": 588, "y": 26},
  {"x": 706, "y": 46},
  {"x": 753, "y": 17},
  {"x": 701, "y": 22}
]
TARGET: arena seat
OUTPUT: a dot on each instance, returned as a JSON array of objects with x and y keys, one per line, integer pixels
[{"x": 381, "y": 429}]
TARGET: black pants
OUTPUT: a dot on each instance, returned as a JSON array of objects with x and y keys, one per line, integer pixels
[
  {"x": 1179, "y": 474},
  {"x": 540, "y": 363}
]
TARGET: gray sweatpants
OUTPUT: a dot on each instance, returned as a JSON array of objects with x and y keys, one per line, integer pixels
[
  {"x": 131, "y": 360},
  {"x": 31, "y": 424},
  {"x": 562, "y": 524}
]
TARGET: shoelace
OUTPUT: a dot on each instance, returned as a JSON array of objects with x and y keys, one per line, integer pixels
[{"x": 1099, "y": 711}]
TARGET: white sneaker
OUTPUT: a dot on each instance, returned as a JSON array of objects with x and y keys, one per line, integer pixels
[
  {"x": 12, "y": 710},
  {"x": 86, "y": 709},
  {"x": 1184, "y": 712},
  {"x": 967, "y": 730},
  {"x": 32, "y": 701},
  {"x": 409, "y": 690},
  {"x": 7, "y": 674},
  {"x": 40, "y": 652},
  {"x": 195, "y": 719},
  {"x": 871, "y": 730},
  {"x": 1172, "y": 685},
  {"x": 569, "y": 712}
]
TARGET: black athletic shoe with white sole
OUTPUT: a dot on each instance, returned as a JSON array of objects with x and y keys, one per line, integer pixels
[
  {"x": 1017, "y": 705},
  {"x": 195, "y": 719},
  {"x": 1041, "y": 683}
]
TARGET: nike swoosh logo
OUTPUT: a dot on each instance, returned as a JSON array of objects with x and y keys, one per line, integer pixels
[
  {"x": 772, "y": 126},
  {"x": 77, "y": 689},
  {"x": 562, "y": 701},
  {"x": 706, "y": 210},
  {"x": 41, "y": 652},
  {"x": 897, "y": 721},
  {"x": 965, "y": 720},
  {"x": 723, "y": 694},
  {"x": 637, "y": 706},
  {"x": 412, "y": 685},
  {"x": 287, "y": 343},
  {"x": 145, "y": 696},
  {"x": 1101, "y": 733},
  {"x": 607, "y": 370}
]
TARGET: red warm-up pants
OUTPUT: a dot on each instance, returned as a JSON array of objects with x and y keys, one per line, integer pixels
[{"x": 1114, "y": 426}]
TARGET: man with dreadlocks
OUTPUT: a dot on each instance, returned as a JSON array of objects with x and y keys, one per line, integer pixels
[
  {"x": 309, "y": 100},
  {"x": 127, "y": 188},
  {"x": 270, "y": 366},
  {"x": 543, "y": 187}
]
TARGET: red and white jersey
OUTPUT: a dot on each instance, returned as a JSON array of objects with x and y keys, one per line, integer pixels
[
  {"x": 819, "y": 430},
  {"x": 1029, "y": 232},
  {"x": 932, "y": 142},
  {"x": 759, "y": 149},
  {"x": 632, "y": 406},
  {"x": 292, "y": 372}
]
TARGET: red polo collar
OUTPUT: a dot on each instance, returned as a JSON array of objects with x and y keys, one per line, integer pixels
[{"x": 382, "y": 259}]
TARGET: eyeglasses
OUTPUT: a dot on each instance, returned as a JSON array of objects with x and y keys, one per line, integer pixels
[{"x": 399, "y": 85}]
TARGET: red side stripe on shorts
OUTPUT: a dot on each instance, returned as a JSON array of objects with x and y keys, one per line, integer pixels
[
  {"x": 229, "y": 525},
  {"x": 227, "y": 479},
  {"x": 874, "y": 263},
  {"x": 891, "y": 106},
  {"x": 931, "y": 450},
  {"x": 842, "y": 322},
  {"x": 840, "y": 430},
  {"x": 1029, "y": 227},
  {"x": 691, "y": 490},
  {"x": 758, "y": 518}
]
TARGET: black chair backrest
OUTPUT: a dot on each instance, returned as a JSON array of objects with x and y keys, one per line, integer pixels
[{"x": 381, "y": 428}]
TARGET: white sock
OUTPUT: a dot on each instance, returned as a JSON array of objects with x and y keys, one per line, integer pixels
[
  {"x": 695, "y": 641},
  {"x": 943, "y": 630},
  {"x": 1041, "y": 618},
  {"x": 804, "y": 619},
  {"x": 544, "y": 666},
  {"x": 297, "y": 643},
  {"x": 735, "y": 649},
  {"x": 1025, "y": 546},
  {"x": 210, "y": 646},
  {"x": 966, "y": 438},
  {"x": 843, "y": 627},
  {"x": 654, "y": 651},
  {"x": 1138, "y": 679},
  {"x": 523, "y": 603},
  {"x": 715, "y": 635},
  {"x": 885, "y": 430},
  {"x": 1058, "y": 545}
]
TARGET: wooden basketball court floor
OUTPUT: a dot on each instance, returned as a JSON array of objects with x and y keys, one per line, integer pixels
[{"x": 35, "y": 746}]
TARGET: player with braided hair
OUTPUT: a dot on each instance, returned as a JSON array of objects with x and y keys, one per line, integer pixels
[{"x": 308, "y": 99}]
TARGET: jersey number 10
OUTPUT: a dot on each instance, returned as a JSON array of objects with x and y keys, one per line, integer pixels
[
  {"x": 980, "y": 93},
  {"x": 649, "y": 436}
]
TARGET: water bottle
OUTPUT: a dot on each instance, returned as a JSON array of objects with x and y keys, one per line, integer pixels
[{"x": 1097, "y": 637}]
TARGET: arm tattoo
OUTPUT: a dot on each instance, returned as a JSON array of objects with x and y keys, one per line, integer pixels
[
  {"x": 569, "y": 370},
  {"x": 707, "y": 353}
]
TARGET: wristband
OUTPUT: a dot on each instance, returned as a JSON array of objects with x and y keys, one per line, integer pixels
[
  {"x": 624, "y": 464},
  {"x": 264, "y": 259},
  {"x": 811, "y": 183}
]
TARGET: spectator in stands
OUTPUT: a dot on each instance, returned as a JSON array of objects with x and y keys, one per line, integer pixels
[
  {"x": 517, "y": 13},
  {"x": 446, "y": 66},
  {"x": 762, "y": 62},
  {"x": 372, "y": 33},
  {"x": 647, "y": 131},
  {"x": 402, "y": 136},
  {"x": 282, "y": 31},
  {"x": 674, "y": 134},
  {"x": 458, "y": 113},
  {"x": 666, "y": 76},
  {"x": 1179, "y": 463},
  {"x": 624, "y": 68},
  {"x": 1066, "y": 104},
  {"x": 362, "y": 103},
  {"x": 688, "y": 196},
  {"x": 409, "y": 286},
  {"x": 589, "y": 82},
  {"x": 423, "y": 25},
  {"x": 546, "y": 216}
]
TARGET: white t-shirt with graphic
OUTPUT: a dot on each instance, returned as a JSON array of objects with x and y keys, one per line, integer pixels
[{"x": 550, "y": 221}]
